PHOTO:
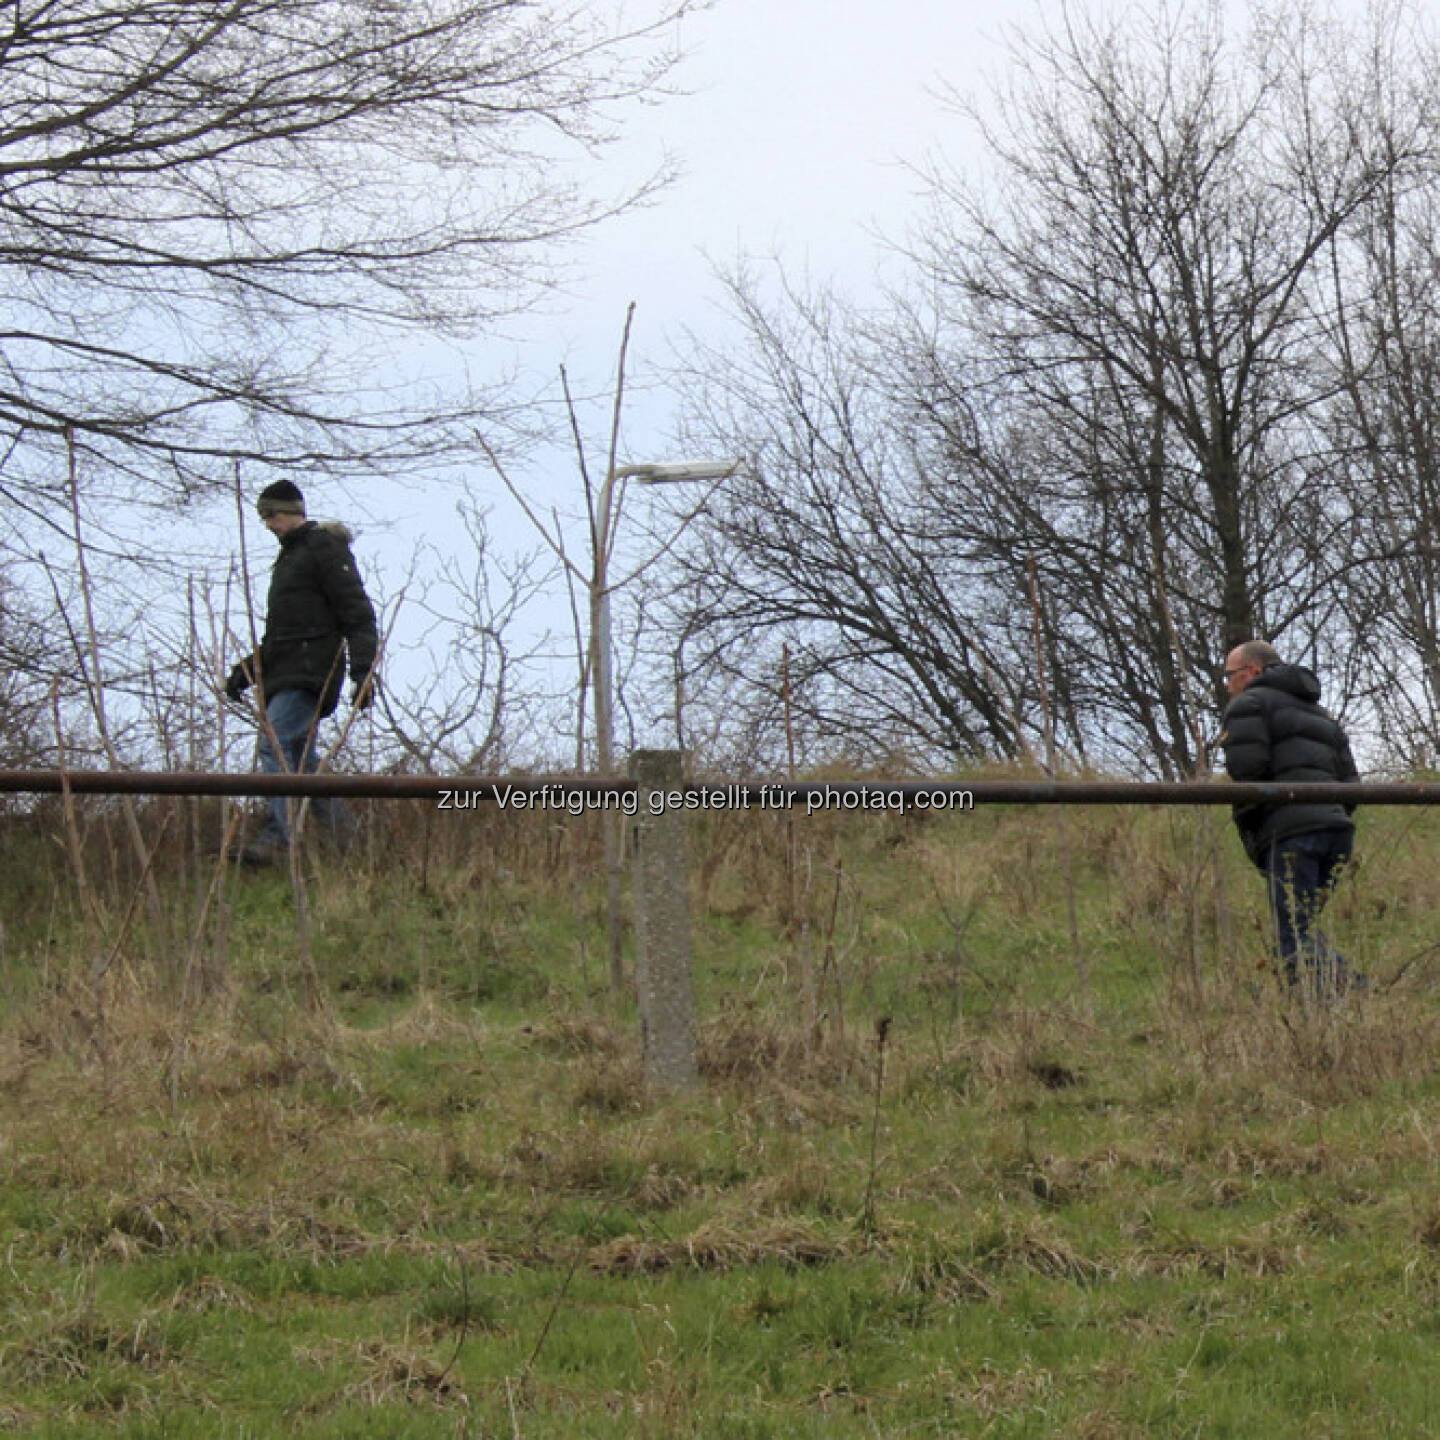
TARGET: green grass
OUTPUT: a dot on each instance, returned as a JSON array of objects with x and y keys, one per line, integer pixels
[{"x": 1134, "y": 1192}]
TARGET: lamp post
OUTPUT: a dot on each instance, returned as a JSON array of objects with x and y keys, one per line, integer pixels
[{"x": 604, "y": 525}]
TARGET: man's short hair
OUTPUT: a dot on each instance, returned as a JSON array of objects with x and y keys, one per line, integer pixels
[{"x": 1259, "y": 652}]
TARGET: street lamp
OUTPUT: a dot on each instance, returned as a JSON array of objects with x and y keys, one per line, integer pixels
[
  {"x": 604, "y": 525},
  {"x": 670, "y": 474}
]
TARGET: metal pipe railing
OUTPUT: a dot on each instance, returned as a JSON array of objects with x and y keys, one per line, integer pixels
[{"x": 538, "y": 792}]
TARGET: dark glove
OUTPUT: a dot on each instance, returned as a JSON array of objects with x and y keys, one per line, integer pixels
[
  {"x": 363, "y": 693},
  {"x": 239, "y": 681}
]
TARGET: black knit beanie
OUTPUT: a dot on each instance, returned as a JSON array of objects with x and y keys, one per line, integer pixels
[{"x": 283, "y": 497}]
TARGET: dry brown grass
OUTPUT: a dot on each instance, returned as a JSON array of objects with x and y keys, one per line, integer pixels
[
  {"x": 188, "y": 1220},
  {"x": 574, "y": 1035},
  {"x": 389, "y": 1373},
  {"x": 73, "y": 1344},
  {"x": 1322, "y": 1054},
  {"x": 721, "y": 1247},
  {"x": 988, "y": 1392},
  {"x": 1159, "y": 1138}
]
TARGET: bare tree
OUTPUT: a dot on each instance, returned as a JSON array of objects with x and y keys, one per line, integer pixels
[
  {"x": 1383, "y": 360},
  {"x": 37, "y": 666},
  {"x": 1112, "y": 381},
  {"x": 221, "y": 221},
  {"x": 248, "y": 231},
  {"x": 825, "y": 544},
  {"x": 459, "y": 708},
  {"x": 1147, "y": 268}
]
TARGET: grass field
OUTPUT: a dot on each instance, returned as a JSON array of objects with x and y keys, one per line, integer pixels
[{"x": 1100, "y": 1182}]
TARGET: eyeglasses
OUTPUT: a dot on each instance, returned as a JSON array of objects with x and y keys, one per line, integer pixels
[{"x": 1238, "y": 670}]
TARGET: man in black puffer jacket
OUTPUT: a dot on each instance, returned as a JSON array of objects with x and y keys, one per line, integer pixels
[
  {"x": 317, "y": 617},
  {"x": 1275, "y": 729}
]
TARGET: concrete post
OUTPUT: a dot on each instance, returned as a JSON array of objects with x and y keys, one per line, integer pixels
[{"x": 662, "y": 921}]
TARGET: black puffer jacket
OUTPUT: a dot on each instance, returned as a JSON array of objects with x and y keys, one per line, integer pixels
[
  {"x": 1275, "y": 729},
  {"x": 316, "y": 611}
]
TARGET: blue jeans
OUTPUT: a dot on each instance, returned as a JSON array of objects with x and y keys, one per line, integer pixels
[
  {"x": 1302, "y": 871},
  {"x": 292, "y": 717}
]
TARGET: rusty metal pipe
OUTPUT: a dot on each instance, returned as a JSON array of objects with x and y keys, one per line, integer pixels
[{"x": 549, "y": 792}]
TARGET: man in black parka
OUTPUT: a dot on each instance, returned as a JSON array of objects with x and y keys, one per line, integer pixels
[
  {"x": 317, "y": 617},
  {"x": 1275, "y": 729}
]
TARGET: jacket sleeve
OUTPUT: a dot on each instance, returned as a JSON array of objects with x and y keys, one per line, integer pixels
[
  {"x": 345, "y": 593},
  {"x": 1246, "y": 740}
]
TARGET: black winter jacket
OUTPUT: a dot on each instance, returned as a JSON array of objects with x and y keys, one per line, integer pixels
[
  {"x": 1275, "y": 729},
  {"x": 316, "y": 611}
]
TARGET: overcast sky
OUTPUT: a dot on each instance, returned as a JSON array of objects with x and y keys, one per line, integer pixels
[
  {"x": 791, "y": 138},
  {"x": 793, "y": 133}
]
